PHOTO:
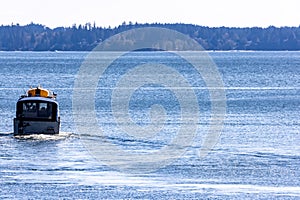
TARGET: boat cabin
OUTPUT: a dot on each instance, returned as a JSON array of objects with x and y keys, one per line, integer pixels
[{"x": 37, "y": 113}]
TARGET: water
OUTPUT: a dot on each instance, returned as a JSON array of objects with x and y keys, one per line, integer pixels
[{"x": 257, "y": 156}]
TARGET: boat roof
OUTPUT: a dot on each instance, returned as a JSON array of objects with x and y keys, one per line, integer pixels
[{"x": 38, "y": 99}]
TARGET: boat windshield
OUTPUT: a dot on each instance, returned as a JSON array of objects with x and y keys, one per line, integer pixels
[{"x": 37, "y": 110}]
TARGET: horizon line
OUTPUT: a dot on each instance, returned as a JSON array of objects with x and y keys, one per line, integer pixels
[{"x": 145, "y": 23}]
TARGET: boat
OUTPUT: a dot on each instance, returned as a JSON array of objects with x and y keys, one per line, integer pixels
[{"x": 37, "y": 112}]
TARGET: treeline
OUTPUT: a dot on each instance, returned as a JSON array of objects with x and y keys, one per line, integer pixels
[{"x": 36, "y": 37}]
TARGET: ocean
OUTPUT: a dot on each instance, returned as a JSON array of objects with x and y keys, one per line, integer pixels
[{"x": 140, "y": 146}]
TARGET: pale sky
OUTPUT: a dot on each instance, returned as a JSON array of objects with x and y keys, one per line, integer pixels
[{"x": 213, "y": 13}]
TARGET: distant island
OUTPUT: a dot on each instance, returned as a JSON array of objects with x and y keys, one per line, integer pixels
[{"x": 37, "y": 37}]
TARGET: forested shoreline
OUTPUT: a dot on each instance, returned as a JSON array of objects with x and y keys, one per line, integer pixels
[{"x": 37, "y": 37}]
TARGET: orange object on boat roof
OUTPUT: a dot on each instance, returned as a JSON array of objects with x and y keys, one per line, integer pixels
[{"x": 38, "y": 92}]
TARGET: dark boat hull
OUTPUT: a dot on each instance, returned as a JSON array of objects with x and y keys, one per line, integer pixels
[{"x": 22, "y": 127}]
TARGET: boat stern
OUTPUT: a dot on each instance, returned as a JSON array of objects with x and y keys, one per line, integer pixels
[{"x": 35, "y": 127}]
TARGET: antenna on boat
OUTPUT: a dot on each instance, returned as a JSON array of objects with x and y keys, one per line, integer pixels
[{"x": 25, "y": 92}]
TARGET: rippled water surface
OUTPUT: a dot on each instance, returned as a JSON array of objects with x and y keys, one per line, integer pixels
[{"x": 257, "y": 156}]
